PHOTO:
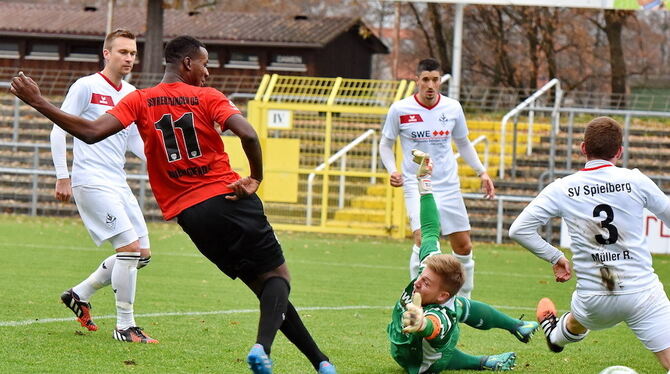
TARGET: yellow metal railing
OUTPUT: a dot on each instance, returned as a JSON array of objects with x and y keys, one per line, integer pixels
[{"x": 323, "y": 115}]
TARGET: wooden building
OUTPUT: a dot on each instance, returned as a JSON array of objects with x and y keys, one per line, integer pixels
[{"x": 69, "y": 37}]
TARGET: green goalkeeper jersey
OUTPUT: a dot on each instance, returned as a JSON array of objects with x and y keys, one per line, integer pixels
[
  {"x": 415, "y": 353},
  {"x": 419, "y": 354}
]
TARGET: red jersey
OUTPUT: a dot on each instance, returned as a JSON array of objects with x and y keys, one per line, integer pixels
[{"x": 186, "y": 160}]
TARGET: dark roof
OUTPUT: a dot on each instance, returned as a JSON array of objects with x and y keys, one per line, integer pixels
[{"x": 254, "y": 29}]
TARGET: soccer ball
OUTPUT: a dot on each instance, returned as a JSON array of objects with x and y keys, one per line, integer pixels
[{"x": 618, "y": 370}]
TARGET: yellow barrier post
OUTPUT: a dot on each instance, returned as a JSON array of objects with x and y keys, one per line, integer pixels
[
  {"x": 327, "y": 151},
  {"x": 261, "y": 88}
]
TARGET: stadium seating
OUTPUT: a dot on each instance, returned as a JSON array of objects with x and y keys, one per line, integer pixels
[{"x": 364, "y": 201}]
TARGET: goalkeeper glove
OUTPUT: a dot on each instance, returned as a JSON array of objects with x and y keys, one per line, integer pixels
[{"x": 413, "y": 319}]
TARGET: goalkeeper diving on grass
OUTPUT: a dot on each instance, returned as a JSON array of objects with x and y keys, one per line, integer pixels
[{"x": 424, "y": 329}]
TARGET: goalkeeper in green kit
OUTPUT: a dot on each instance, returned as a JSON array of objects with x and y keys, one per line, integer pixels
[{"x": 424, "y": 328}]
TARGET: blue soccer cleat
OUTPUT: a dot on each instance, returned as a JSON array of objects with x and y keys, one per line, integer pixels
[
  {"x": 501, "y": 362},
  {"x": 326, "y": 367},
  {"x": 525, "y": 330},
  {"x": 258, "y": 360}
]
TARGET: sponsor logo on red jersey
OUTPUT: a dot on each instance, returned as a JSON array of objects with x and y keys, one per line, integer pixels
[
  {"x": 410, "y": 118},
  {"x": 102, "y": 99}
]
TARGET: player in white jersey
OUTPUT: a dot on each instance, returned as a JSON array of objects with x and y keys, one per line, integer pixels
[
  {"x": 104, "y": 200},
  {"x": 429, "y": 121},
  {"x": 603, "y": 208}
]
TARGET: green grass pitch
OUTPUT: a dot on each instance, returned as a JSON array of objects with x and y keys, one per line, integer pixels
[{"x": 206, "y": 323}]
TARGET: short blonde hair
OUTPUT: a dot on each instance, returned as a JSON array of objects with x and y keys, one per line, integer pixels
[
  {"x": 118, "y": 33},
  {"x": 450, "y": 269}
]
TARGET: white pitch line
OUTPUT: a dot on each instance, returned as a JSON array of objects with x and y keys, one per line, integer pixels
[
  {"x": 223, "y": 312},
  {"x": 172, "y": 314}
]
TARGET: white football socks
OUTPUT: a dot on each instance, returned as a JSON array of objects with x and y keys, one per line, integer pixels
[
  {"x": 414, "y": 262},
  {"x": 124, "y": 279},
  {"x": 101, "y": 277},
  {"x": 561, "y": 336},
  {"x": 469, "y": 267}
]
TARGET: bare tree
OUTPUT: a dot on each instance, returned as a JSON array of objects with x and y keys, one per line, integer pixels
[
  {"x": 153, "y": 38},
  {"x": 435, "y": 17},
  {"x": 419, "y": 21},
  {"x": 612, "y": 26}
]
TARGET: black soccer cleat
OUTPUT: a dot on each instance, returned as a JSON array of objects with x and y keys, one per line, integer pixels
[
  {"x": 81, "y": 309},
  {"x": 133, "y": 335},
  {"x": 546, "y": 316}
]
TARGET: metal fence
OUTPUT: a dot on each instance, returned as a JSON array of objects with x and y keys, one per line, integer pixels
[
  {"x": 496, "y": 99},
  {"x": 474, "y": 98},
  {"x": 57, "y": 82},
  {"x": 315, "y": 124},
  {"x": 27, "y": 179}
]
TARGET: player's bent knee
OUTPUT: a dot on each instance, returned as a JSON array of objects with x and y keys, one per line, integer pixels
[
  {"x": 574, "y": 326},
  {"x": 280, "y": 271},
  {"x": 664, "y": 358},
  {"x": 144, "y": 246},
  {"x": 143, "y": 261},
  {"x": 417, "y": 237},
  {"x": 462, "y": 250},
  {"x": 145, "y": 252},
  {"x": 126, "y": 241}
]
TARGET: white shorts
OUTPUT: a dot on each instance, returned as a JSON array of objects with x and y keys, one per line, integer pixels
[
  {"x": 647, "y": 313},
  {"x": 453, "y": 215},
  {"x": 108, "y": 211}
]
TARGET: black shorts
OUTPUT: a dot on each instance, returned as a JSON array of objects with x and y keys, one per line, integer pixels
[{"x": 235, "y": 235}]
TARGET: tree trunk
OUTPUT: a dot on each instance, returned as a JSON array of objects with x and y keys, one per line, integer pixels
[
  {"x": 614, "y": 21},
  {"x": 153, "y": 39},
  {"x": 422, "y": 27},
  {"x": 549, "y": 22},
  {"x": 532, "y": 35},
  {"x": 436, "y": 22}
]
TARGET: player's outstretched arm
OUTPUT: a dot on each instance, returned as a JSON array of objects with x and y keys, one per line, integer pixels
[
  {"x": 90, "y": 132},
  {"x": 524, "y": 231}
]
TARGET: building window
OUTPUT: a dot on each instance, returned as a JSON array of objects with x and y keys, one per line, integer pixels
[
  {"x": 287, "y": 63},
  {"x": 239, "y": 60},
  {"x": 213, "y": 61},
  {"x": 9, "y": 50},
  {"x": 40, "y": 51},
  {"x": 83, "y": 54}
]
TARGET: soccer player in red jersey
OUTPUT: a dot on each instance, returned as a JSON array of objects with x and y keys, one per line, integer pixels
[{"x": 192, "y": 180}]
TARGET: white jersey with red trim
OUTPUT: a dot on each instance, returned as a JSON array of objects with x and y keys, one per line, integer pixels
[
  {"x": 429, "y": 129},
  {"x": 100, "y": 163},
  {"x": 603, "y": 207}
]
